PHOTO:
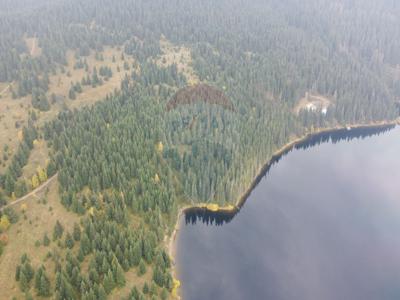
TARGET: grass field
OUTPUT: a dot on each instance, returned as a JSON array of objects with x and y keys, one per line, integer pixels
[
  {"x": 13, "y": 115},
  {"x": 14, "y": 112},
  {"x": 36, "y": 216},
  {"x": 40, "y": 218},
  {"x": 37, "y": 159},
  {"x": 36, "y": 219},
  {"x": 179, "y": 55}
]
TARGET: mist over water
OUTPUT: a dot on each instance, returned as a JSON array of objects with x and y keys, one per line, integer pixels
[{"x": 323, "y": 224}]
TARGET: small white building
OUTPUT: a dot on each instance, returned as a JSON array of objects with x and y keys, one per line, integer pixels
[{"x": 311, "y": 107}]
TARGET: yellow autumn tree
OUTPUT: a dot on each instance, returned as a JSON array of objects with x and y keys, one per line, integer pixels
[
  {"x": 41, "y": 174},
  {"x": 192, "y": 81},
  {"x": 4, "y": 223},
  {"x": 176, "y": 285},
  {"x": 24, "y": 207},
  {"x": 157, "y": 178},
  {"x": 160, "y": 147},
  {"x": 91, "y": 211},
  {"x": 35, "y": 181}
]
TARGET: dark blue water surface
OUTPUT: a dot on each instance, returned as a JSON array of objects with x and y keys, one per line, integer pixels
[{"x": 324, "y": 223}]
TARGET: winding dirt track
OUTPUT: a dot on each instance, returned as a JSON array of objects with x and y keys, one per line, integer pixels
[
  {"x": 33, "y": 47},
  {"x": 5, "y": 89},
  {"x": 33, "y": 193}
]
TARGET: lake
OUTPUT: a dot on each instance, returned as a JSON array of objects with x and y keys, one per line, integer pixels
[{"x": 323, "y": 223}]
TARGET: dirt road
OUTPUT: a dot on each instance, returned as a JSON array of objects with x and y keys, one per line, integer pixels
[
  {"x": 33, "y": 193},
  {"x": 5, "y": 89}
]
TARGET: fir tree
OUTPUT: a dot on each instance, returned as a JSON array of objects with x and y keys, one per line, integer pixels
[
  {"x": 142, "y": 268},
  {"x": 58, "y": 231},
  {"x": 145, "y": 288},
  {"x": 77, "y": 232},
  {"x": 164, "y": 294},
  {"x": 46, "y": 240},
  {"x": 109, "y": 282},
  {"x": 23, "y": 282},
  {"x": 102, "y": 295},
  {"x": 120, "y": 276},
  {"x": 71, "y": 94},
  {"x": 69, "y": 242}
]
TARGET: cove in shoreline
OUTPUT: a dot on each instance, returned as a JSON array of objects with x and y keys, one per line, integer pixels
[{"x": 221, "y": 215}]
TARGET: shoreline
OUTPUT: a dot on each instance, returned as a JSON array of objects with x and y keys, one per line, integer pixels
[{"x": 171, "y": 245}]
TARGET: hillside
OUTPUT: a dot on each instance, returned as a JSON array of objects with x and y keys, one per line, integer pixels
[{"x": 143, "y": 107}]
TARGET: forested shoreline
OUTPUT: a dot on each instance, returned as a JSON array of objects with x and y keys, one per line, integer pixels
[{"x": 264, "y": 75}]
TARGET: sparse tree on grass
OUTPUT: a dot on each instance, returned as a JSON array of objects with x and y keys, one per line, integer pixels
[
  {"x": 69, "y": 242},
  {"x": 46, "y": 240},
  {"x": 58, "y": 231},
  {"x": 77, "y": 232},
  {"x": 23, "y": 282}
]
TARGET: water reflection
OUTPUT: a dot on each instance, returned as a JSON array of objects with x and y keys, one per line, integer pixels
[
  {"x": 324, "y": 224},
  {"x": 343, "y": 135},
  {"x": 194, "y": 215}
]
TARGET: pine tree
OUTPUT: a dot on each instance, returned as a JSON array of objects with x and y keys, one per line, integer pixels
[
  {"x": 71, "y": 94},
  {"x": 28, "y": 271},
  {"x": 137, "y": 254},
  {"x": 51, "y": 168},
  {"x": 142, "y": 268},
  {"x": 42, "y": 283},
  {"x": 58, "y": 231},
  {"x": 80, "y": 255},
  {"x": 94, "y": 275},
  {"x": 164, "y": 294},
  {"x": 109, "y": 282},
  {"x": 20, "y": 188},
  {"x": 134, "y": 294},
  {"x": 69, "y": 242},
  {"x": 78, "y": 87},
  {"x": 153, "y": 288},
  {"x": 23, "y": 282},
  {"x": 102, "y": 295},
  {"x": 9, "y": 184},
  {"x": 38, "y": 276},
  {"x": 46, "y": 240},
  {"x": 145, "y": 288},
  {"x": 85, "y": 244},
  {"x": 120, "y": 276},
  {"x": 158, "y": 276},
  {"x": 44, "y": 289},
  {"x": 18, "y": 273},
  {"x": 77, "y": 232}
]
